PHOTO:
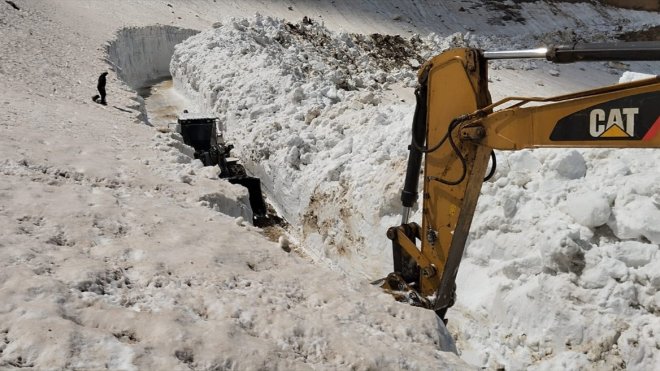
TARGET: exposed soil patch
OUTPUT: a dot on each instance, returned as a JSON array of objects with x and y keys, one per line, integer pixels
[
  {"x": 307, "y": 33},
  {"x": 505, "y": 11},
  {"x": 388, "y": 52},
  {"x": 652, "y": 5},
  {"x": 650, "y": 34},
  {"x": 391, "y": 51}
]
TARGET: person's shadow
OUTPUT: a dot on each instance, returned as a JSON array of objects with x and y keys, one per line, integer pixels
[{"x": 122, "y": 109}]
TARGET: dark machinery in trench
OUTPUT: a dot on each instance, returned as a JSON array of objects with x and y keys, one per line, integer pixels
[{"x": 201, "y": 133}]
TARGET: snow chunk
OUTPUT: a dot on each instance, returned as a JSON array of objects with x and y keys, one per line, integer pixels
[
  {"x": 589, "y": 209},
  {"x": 524, "y": 161},
  {"x": 562, "y": 254},
  {"x": 570, "y": 165},
  {"x": 597, "y": 276},
  {"x": 635, "y": 216},
  {"x": 634, "y": 254},
  {"x": 629, "y": 76},
  {"x": 210, "y": 172},
  {"x": 652, "y": 274},
  {"x": 224, "y": 201}
]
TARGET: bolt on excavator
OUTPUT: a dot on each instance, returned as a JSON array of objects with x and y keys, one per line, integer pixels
[{"x": 456, "y": 128}]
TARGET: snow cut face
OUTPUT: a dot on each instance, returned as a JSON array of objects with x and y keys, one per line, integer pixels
[{"x": 142, "y": 54}]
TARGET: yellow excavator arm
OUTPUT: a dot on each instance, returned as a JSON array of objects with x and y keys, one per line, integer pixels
[{"x": 456, "y": 128}]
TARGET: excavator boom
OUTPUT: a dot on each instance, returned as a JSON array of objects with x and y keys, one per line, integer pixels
[
  {"x": 456, "y": 128},
  {"x": 624, "y": 115}
]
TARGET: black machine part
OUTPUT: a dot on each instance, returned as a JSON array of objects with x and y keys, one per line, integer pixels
[
  {"x": 409, "y": 193},
  {"x": 253, "y": 185},
  {"x": 577, "y": 52},
  {"x": 201, "y": 134},
  {"x": 630, "y": 51}
]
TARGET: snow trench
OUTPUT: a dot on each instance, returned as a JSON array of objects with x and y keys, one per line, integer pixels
[{"x": 141, "y": 55}]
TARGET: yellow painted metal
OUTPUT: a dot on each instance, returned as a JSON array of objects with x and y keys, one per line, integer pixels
[
  {"x": 530, "y": 127},
  {"x": 456, "y": 83},
  {"x": 412, "y": 250}
]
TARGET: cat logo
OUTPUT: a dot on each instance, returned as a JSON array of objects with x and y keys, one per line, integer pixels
[
  {"x": 617, "y": 123},
  {"x": 635, "y": 117}
]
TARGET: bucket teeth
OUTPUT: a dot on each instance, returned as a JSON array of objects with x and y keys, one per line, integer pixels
[{"x": 402, "y": 291}]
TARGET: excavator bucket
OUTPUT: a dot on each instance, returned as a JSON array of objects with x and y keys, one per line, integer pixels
[{"x": 200, "y": 133}]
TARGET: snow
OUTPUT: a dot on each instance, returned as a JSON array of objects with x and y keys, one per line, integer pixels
[
  {"x": 142, "y": 54},
  {"x": 588, "y": 209},
  {"x": 118, "y": 250},
  {"x": 629, "y": 76}
]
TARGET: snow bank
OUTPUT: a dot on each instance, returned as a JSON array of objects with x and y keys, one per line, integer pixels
[
  {"x": 126, "y": 276},
  {"x": 323, "y": 119},
  {"x": 305, "y": 107},
  {"x": 142, "y": 55},
  {"x": 567, "y": 254}
]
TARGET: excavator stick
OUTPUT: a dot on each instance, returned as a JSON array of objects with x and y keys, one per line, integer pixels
[
  {"x": 452, "y": 85},
  {"x": 456, "y": 128}
]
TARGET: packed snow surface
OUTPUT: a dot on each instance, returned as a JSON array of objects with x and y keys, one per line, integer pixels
[{"x": 119, "y": 251}]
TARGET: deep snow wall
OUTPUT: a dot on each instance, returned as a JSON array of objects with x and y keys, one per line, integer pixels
[{"x": 142, "y": 54}]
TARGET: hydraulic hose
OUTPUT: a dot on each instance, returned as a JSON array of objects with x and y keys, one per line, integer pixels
[{"x": 409, "y": 194}]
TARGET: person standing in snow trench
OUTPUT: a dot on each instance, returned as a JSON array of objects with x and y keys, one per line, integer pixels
[{"x": 101, "y": 87}]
